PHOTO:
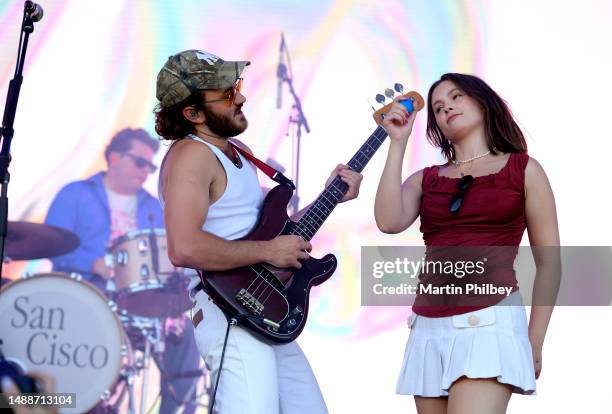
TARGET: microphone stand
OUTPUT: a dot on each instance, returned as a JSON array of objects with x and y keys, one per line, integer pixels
[
  {"x": 299, "y": 120},
  {"x": 27, "y": 27}
]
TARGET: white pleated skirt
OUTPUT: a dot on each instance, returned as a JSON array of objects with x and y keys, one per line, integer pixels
[{"x": 488, "y": 343}]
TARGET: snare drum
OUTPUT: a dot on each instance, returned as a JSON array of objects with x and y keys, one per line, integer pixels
[
  {"x": 64, "y": 327},
  {"x": 146, "y": 282}
]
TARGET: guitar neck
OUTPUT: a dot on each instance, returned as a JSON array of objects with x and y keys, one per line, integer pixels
[{"x": 322, "y": 207}]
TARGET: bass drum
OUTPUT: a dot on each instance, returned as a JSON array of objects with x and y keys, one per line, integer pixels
[{"x": 63, "y": 327}]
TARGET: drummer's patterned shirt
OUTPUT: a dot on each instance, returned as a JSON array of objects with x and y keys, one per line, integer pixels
[{"x": 122, "y": 213}]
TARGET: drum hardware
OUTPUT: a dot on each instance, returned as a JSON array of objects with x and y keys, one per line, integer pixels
[
  {"x": 154, "y": 344},
  {"x": 76, "y": 276},
  {"x": 148, "y": 338},
  {"x": 121, "y": 258},
  {"x": 147, "y": 330},
  {"x": 129, "y": 378},
  {"x": 111, "y": 287},
  {"x": 108, "y": 260},
  {"x": 145, "y": 378},
  {"x": 142, "y": 246},
  {"x": 126, "y": 376},
  {"x": 111, "y": 401},
  {"x": 144, "y": 273}
]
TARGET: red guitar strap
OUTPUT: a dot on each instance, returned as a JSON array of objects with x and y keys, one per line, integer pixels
[{"x": 271, "y": 172}]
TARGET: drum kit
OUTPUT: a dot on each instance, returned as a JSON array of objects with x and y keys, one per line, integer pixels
[{"x": 92, "y": 343}]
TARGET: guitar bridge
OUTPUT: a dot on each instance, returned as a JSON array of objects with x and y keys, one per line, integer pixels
[{"x": 249, "y": 302}]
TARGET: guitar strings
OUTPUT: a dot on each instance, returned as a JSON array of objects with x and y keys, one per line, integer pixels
[{"x": 267, "y": 288}]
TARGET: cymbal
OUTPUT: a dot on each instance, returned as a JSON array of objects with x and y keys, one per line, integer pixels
[{"x": 27, "y": 241}]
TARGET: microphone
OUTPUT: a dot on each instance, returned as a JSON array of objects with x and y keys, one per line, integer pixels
[
  {"x": 281, "y": 71},
  {"x": 34, "y": 10}
]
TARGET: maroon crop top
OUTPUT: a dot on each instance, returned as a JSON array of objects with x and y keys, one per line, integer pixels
[{"x": 492, "y": 214}]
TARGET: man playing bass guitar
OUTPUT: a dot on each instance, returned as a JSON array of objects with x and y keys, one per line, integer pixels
[{"x": 213, "y": 198}]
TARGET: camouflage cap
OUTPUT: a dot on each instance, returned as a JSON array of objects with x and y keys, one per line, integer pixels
[{"x": 194, "y": 70}]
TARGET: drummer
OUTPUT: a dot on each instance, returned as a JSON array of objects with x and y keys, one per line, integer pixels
[
  {"x": 110, "y": 204},
  {"x": 107, "y": 205}
]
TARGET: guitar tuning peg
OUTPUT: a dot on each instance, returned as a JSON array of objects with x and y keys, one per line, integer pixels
[
  {"x": 380, "y": 99},
  {"x": 389, "y": 93},
  {"x": 399, "y": 88}
]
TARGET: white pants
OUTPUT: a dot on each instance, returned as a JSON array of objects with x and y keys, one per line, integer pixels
[{"x": 256, "y": 377}]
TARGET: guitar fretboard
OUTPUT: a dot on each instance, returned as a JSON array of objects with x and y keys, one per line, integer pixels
[{"x": 322, "y": 207}]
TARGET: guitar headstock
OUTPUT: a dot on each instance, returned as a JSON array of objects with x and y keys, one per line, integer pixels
[{"x": 412, "y": 100}]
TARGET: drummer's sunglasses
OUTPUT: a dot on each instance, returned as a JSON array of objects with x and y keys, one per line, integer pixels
[{"x": 142, "y": 162}]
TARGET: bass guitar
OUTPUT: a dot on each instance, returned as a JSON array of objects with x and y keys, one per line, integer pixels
[{"x": 277, "y": 311}]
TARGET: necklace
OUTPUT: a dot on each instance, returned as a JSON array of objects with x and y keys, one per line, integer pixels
[
  {"x": 455, "y": 162},
  {"x": 233, "y": 156}
]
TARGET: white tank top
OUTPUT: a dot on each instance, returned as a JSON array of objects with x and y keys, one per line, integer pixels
[{"x": 235, "y": 213}]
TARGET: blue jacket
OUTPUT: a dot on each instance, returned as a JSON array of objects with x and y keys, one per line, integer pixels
[{"x": 82, "y": 207}]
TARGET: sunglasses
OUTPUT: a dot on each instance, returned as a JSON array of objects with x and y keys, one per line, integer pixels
[
  {"x": 231, "y": 93},
  {"x": 141, "y": 163},
  {"x": 464, "y": 183}
]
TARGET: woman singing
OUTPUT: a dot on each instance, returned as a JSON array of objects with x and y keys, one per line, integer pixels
[{"x": 470, "y": 359}]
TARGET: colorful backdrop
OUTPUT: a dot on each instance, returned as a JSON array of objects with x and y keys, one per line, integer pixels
[{"x": 91, "y": 70}]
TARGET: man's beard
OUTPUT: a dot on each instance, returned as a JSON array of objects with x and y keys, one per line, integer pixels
[{"x": 223, "y": 125}]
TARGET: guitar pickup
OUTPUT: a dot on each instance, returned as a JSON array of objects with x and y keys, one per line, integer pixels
[{"x": 249, "y": 301}]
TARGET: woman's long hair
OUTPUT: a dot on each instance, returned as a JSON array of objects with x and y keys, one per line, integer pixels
[{"x": 502, "y": 132}]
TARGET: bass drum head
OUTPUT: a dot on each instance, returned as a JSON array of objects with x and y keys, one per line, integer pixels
[{"x": 65, "y": 328}]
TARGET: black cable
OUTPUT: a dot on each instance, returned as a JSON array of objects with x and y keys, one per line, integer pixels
[{"x": 232, "y": 321}]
